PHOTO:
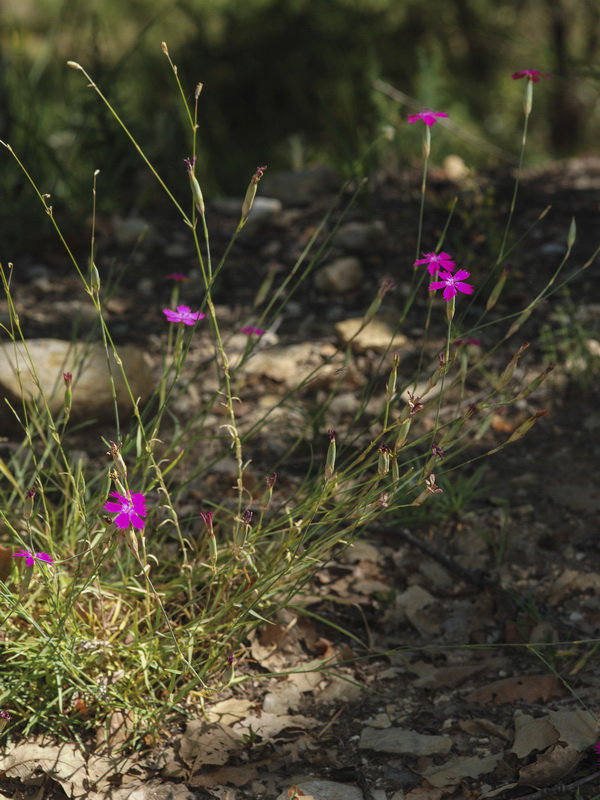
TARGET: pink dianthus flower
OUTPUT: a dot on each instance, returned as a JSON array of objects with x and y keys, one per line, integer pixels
[
  {"x": 531, "y": 75},
  {"x": 428, "y": 117},
  {"x": 183, "y": 314},
  {"x": 32, "y": 557},
  {"x": 129, "y": 510},
  {"x": 250, "y": 329},
  {"x": 452, "y": 284},
  {"x": 436, "y": 262}
]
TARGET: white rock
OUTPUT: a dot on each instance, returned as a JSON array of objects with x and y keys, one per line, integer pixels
[
  {"x": 47, "y": 359},
  {"x": 341, "y": 276}
]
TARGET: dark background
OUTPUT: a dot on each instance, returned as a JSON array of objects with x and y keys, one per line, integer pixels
[{"x": 288, "y": 83}]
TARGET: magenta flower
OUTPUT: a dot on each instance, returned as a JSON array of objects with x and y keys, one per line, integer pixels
[
  {"x": 436, "y": 261},
  {"x": 32, "y": 557},
  {"x": 428, "y": 117},
  {"x": 183, "y": 314},
  {"x": 129, "y": 510},
  {"x": 531, "y": 75},
  {"x": 249, "y": 330},
  {"x": 5, "y": 715},
  {"x": 177, "y": 276},
  {"x": 452, "y": 284}
]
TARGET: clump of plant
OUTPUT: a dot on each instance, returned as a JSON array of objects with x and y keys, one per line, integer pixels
[{"x": 119, "y": 596}]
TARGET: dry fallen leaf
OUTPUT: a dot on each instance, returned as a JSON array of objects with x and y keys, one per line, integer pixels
[
  {"x": 63, "y": 763},
  {"x": 456, "y": 770},
  {"x": 532, "y": 734},
  {"x": 205, "y": 743},
  {"x": 550, "y": 768},
  {"x": 117, "y": 730},
  {"x": 528, "y": 688}
]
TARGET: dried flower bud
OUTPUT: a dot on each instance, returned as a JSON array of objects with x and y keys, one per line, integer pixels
[
  {"x": 115, "y": 454},
  {"x": 414, "y": 404},
  {"x": 432, "y": 485},
  {"x": 5, "y": 718},
  {"x": 207, "y": 518},
  {"x": 268, "y": 494}
]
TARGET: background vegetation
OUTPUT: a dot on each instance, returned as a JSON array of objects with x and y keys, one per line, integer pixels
[{"x": 288, "y": 82}]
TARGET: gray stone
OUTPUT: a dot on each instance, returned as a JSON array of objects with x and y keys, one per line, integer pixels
[
  {"x": 340, "y": 277},
  {"x": 360, "y": 237}
]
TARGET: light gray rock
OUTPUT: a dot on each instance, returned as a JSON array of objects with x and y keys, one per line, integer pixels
[
  {"x": 43, "y": 362},
  {"x": 340, "y": 277}
]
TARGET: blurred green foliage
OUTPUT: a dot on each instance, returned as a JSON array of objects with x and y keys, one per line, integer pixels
[{"x": 286, "y": 83}]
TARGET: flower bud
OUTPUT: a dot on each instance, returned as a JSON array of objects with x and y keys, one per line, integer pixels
[
  {"x": 251, "y": 191},
  {"x": 535, "y": 383},
  {"x": 402, "y": 436},
  {"x": 383, "y": 462},
  {"x": 393, "y": 379},
  {"x": 207, "y": 518},
  {"x": 331, "y": 455},
  {"x": 196, "y": 190},
  {"x": 497, "y": 290},
  {"x": 510, "y": 368},
  {"x": 68, "y": 379}
]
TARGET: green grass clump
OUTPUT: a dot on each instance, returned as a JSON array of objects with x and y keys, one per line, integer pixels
[{"x": 146, "y": 610}]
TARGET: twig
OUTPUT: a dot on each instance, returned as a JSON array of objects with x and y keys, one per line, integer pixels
[
  {"x": 478, "y": 578},
  {"x": 331, "y": 721},
  {"x": 561, "y": 789}
]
